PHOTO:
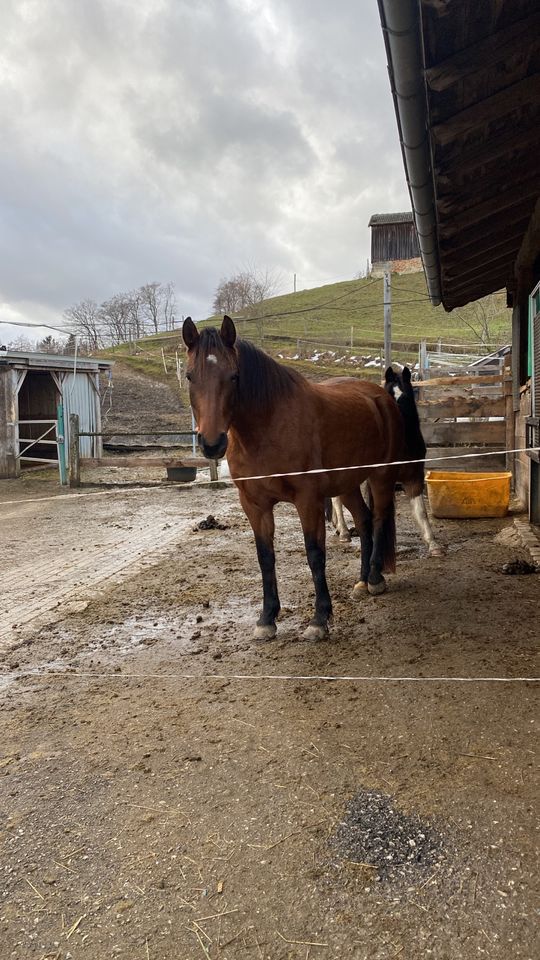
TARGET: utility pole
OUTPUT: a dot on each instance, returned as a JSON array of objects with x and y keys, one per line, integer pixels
[
  {"x": 387, "y": 295},
  {"x": 295, "y": 283}
]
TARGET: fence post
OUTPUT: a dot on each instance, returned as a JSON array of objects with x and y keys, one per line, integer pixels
[
  {"x": 387, "y": 302},
  {"x": 213, "y": 470},
  {"x": 74, "y": 457},
  {"x": 61, "y": 443},
  {"x": 509, "y": 413}
]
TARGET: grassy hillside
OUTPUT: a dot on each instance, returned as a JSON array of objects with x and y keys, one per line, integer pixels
[{"x": 339, "y": 328}]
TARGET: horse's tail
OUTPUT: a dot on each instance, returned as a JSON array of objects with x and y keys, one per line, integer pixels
[{"x": 388, "y": 533}]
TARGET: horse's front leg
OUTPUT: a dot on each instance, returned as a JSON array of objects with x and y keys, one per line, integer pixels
[
  {"x": 311, "y": 513},
  {"x": 262, "y": 524}
]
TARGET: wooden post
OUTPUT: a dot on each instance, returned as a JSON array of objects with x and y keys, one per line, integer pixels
[
  {"x": 509, "y": 414},
  {"x": 214, "y": 470},
  {"x": 387, "y": 294},
  {"x": 9, "y": 464},
  {"x": 61, "y": 443},
  {"x": 74, "y": 458}
]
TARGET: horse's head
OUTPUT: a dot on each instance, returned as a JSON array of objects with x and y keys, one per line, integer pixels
[
  {"x": 212, "y": 372},
  {"x": 399, "y": 385}
]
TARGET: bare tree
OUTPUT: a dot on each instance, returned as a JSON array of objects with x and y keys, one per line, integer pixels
[
  {"x": 83, "y": 319},
  {"x": 151, "y": 304},
  {"x": 135, "y": 310},
  {"x": 116, "y": 318},
  {"x": 21, "y": 343},
  {"x": 169, "y": 305},
  {"x": 480, "y": 320},
  {"x": 123, "y": 317},
  {"x": 245, "y": 289}
]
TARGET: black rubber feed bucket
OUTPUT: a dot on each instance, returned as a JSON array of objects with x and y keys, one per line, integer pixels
[{"x": 181, "y": 474}]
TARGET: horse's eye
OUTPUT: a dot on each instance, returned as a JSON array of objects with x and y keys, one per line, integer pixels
[
  {"x": 234, "y": 378},
  {"x": 189, "y": 377}
]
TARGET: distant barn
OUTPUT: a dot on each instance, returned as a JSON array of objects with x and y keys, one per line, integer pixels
[{"x": 394, "y": 241}]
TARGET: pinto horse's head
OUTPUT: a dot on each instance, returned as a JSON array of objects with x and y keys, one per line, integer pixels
[
  {"x": 399, "y": 385},
  {"x": 212, "y": 372}
]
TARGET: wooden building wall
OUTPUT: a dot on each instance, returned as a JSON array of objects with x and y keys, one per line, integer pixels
[{"x": 393, "y": 241}]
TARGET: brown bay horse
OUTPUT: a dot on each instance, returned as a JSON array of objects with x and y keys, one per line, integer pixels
[{"x": 271, "y": 420}]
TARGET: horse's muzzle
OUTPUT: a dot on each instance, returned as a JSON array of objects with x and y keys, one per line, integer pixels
[{"x": 216, "y": 450}]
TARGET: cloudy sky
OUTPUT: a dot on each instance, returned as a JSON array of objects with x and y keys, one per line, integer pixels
[{"x": 179, "y": 140}]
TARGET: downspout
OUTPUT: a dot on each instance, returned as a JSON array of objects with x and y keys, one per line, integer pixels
[{"x": 401, "y": 30}]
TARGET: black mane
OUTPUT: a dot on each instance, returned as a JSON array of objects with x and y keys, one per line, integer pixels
[{"x": 261, "y": 380}]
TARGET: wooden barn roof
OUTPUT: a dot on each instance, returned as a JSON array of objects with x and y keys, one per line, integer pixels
[
  {"x": 465, "y": 76},
  {"x": 378, "y": 219}
]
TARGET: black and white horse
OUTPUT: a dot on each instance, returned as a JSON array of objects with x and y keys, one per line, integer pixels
[{"x": 411, "y": 475}]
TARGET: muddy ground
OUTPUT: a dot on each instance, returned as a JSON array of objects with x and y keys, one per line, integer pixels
[{"x": 160, "y": 801}]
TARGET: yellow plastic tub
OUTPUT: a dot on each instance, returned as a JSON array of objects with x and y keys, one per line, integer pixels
[{"x": 456, "y": 494}]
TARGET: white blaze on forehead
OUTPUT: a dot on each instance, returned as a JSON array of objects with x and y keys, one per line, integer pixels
[
  {"x": 211, "y": 358},
  {"x": 397, "y": 392}
]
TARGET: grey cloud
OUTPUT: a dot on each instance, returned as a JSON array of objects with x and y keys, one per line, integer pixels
[{"x": 175, "y": 140}]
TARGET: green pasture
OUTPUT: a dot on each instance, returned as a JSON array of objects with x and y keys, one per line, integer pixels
[{"x": 343, "y": 319}]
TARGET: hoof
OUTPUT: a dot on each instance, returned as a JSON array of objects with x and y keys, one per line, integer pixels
[
  {"x": 315, "y": 632},
  {"x": 264, "y": 632},
  {"x": 345, "y": 538},
  {"x": 375, "y": 589},
  {"x": 360, "y": 589},
  {"x": 437, "y": 552}
]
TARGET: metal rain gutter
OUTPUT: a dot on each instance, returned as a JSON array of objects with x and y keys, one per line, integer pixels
[{"x": 401, "y": 29}]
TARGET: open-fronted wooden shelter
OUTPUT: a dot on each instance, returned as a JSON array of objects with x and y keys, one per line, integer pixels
[
  {"x": 38, "y": 392},
  {"x": 465, "y": 77}
]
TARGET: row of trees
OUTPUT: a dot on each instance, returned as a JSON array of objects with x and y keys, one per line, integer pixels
[
  {"x": 47, "y": 345},
  {"x": 152, "y": 308},
  {"x": 124, "y": 317}
]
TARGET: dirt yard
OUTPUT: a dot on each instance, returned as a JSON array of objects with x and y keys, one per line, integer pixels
[{"x": 171, "y": 790}]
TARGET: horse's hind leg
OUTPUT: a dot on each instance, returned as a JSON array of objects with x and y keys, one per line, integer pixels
[
  {"x": 414, "y": 491},
  {"x": 311, "y": 513},
  {"x": 262, "y": 523},
  {"x": 383, "y": 556},
  {"x": 338, "y": 520}
]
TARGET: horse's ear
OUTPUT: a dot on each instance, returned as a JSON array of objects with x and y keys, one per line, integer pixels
[
  {"x": 389, "y": 376},
  {"x": 190, "y": 333},
  {"x": 228, "y": 331},
  {"x": 406, "y": 375}
]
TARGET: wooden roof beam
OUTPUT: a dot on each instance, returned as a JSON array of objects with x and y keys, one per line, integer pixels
[
  {"x": 511, "y": 207},
  {"x": 488, "y": 192},
  {"x": 452, "y": 299},
  {"x": 500, "y": 146},
  {"x": 458, "y": 252},
  {"x": 496, "y": 227},
  {"x": 459, "y": 257},
  {"x": 496, "y": 175},
  {"x": 484, "y": 267},
  {"x": 491, "y": 108},
  {"x": 495, "y": 278},
  {"x": 479, "y": 57}
]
